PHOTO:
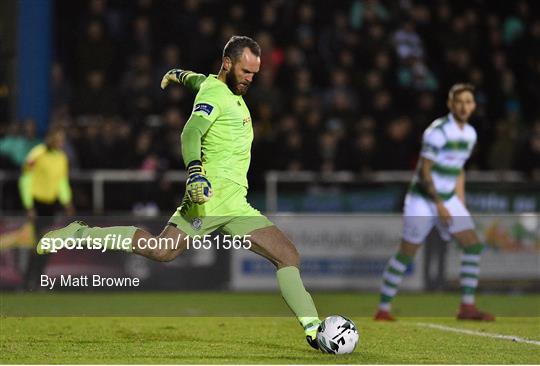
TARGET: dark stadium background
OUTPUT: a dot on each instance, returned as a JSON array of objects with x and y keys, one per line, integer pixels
[{"x": 345, "y": 90}]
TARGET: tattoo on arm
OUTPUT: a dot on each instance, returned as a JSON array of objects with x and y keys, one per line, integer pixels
[{"x": 427, "y": 180}]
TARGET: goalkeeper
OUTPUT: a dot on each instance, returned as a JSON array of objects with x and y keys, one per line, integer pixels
[{"x": 216, "y": 145}]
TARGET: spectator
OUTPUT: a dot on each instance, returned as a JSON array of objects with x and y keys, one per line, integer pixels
[
  {"x": 265, "y": 91},
  {"x": 140, "y": 40},
  {"x": 503, "y": 151},
  {"x": 396, "y": 150},
  {"x": 407, "y": 42},
  {"x": 170, "y": 59},
  {"x": 61, "y": 90},
  {"x": 95, "y": 98},
  {"x": 95, "y": 51},
  {"x": 16, "y": 144},
  {"x": 529, "y": 157},
  {"x": 334, "y": 77},
  {"x": 329, "y": 152}
]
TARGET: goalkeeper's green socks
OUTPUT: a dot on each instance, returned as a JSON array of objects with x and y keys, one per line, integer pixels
[{"x": 296, "y": 296}]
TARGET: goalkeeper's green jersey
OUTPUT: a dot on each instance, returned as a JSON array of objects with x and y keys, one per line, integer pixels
[{"x": 226, "y": 146}]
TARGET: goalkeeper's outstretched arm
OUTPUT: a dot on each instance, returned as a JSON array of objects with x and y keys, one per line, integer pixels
[
  {"x": 190, "y": 79},
  {"x": 198, "y": 187}
]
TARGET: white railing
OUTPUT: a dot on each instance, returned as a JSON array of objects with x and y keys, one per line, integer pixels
[
  {"x": 273, "y": 178},
  {"x": 98, "y": 178}
]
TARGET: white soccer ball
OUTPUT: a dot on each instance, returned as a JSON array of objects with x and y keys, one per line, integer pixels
[{"x": 337, "y": 335}]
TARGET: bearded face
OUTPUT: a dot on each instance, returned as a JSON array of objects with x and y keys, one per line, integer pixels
[
  {"x": 240, "y": 71},
  {"x": 235, "y": 83},
  {"x": 237, "y": 86}
]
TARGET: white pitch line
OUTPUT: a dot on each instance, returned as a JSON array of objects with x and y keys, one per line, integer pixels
[{"x": 476, "y": 333}]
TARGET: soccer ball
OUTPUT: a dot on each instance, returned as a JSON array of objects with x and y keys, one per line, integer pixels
[{"x": 337, "y": 335}]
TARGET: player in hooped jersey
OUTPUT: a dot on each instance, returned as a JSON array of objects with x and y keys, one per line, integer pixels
[{"x": 436, "y": 197}]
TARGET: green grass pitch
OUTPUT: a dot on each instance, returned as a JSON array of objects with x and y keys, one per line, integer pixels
[{"x": 217, "y": 328}]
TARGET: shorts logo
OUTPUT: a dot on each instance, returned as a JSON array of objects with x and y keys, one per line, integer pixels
[
  {"x": 203, "y": 107},
  {"x": 196, "y": 223}
]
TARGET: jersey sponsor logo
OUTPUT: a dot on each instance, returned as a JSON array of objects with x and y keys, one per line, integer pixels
[
  {"x": 204, "y": 107},
  {"x": 452, "y": 158}
]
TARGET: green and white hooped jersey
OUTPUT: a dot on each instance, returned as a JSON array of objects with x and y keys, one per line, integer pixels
[{"x": 449, "y": 147}]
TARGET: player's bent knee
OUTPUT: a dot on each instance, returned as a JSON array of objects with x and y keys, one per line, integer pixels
[
  {"x": 467, "y": 238},
  {"x": 408, "y": 249},
  {"x": 166, "y": 255},
  {"x": 290, "y": 258},
  {"x": 172, "y": 242}
]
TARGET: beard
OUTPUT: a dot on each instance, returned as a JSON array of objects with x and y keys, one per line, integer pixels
[
  {"x": 462, "y": 116},
  {"x": 236, "y": 86}
]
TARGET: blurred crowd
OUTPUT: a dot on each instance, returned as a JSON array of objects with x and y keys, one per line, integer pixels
[{"x": 346, "y": 85}]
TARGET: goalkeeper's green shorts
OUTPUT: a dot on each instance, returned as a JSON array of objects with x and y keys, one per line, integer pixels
[{"x": 227, "y": 211}]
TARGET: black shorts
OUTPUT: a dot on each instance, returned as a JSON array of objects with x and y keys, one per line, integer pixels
[{"x": 45, "y": 215}]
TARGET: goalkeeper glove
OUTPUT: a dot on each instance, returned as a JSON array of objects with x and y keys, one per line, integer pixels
[
  {"x": 198, "y": 187},
  {"x": 172, "y": 76}
]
